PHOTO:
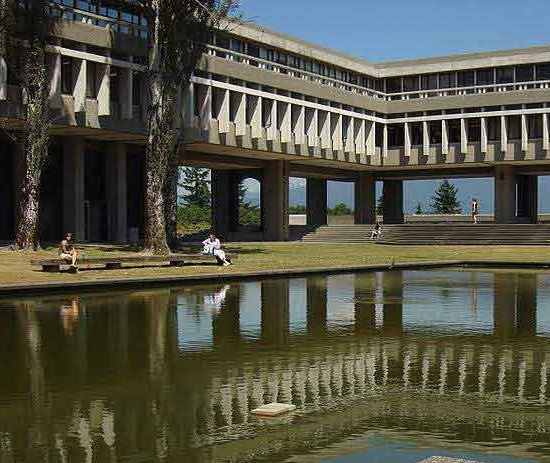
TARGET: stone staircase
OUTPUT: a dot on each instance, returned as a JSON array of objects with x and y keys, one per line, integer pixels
[{"x": 430, "y": 234}]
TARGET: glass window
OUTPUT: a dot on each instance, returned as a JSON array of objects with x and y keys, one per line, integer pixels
[
  {"x": 114, "y": 83},
  {"x": 453, "y": 127},
  {"x": 237, "y": 45},
  {"x": 222, "y": 41},
  {"x": 429, "y": 82},
  {"x": 254, "y": 50},
  {"x": 513, "y": 127},
  {"x": 396, "y": 135},
  {"x": 83, "y": 5},
  {"x": 534, "y": 125},
  {"x": 434, "y": 129},
  {"x": 485, "y": 77},
  {"x": 465, "y": 78},
  {"x": 112, "y": 13},
  {"x": 417, "y": 133},
  {"x": 543, "y": 71},
  {"x": 393, "y": 85},
  {"x": 410, "y": 83},
  {"x": 525, "y": 73},
  {"x": 474, "y": 130},
  {"x": 68, "y": 3},
  {"x": 505, "y": 75},
  {"x": 493, "y": 128},
  {"x": 447, "y": 80}
]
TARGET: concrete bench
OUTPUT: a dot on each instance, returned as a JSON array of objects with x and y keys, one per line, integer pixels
[{"x": 175, "y": 260}]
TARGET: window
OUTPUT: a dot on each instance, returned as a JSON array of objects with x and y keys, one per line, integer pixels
[
  {"x": 525, "y": 73},
  {"x": 447, "y": 80},
  {"x": 378, "y": 135},
  {"x": 493, "y": 128},
  {"x": 410, "y": 83},
  {"x": 254, "y": 50},
  {"x": 417, "y": 133},
  {"x": 114, "y": 83},
  {"x": 434, "y": 129},
  {"x": 237, "y": 45},
  {"x": 534, "y": 126},
  {"x": 485, "y": 77},
  {"x": 67, "y": 81},
  {"x": 474, "y": 130},
  {"x": 505, "y": 75},
  {"x": 429, "y": 82},
  {"x": 453, "y": 127},
  {"x": 393, "y": 85},
  {"x": 91, "y": 77},
  {"x": 222, "y": 41},
  {"x": 465, "y": 78},
  {"x": 396, "y": 135},
  {"x": 136, "y": 88},
  {"x": 513, "y": 127},
  {"x": 543, "y": 71}
]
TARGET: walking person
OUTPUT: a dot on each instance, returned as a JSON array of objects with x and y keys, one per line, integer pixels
[
  {"x": 475, "y": 208},
  {"x": 212, "y": 245},
  {"x": 68, "y": 252}
]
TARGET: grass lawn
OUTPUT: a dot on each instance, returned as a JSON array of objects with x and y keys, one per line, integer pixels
[{"x": 15, "y": 267}]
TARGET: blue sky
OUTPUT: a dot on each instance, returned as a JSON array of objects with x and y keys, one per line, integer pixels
[{"x": 407, "y": 29}]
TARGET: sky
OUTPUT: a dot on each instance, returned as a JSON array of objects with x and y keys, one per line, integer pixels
[{"x": 381, "y": 31}]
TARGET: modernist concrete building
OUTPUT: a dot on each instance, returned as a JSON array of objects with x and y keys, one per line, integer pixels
[{"x": 268, "y": 106}]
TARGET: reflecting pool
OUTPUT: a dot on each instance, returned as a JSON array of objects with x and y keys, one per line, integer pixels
[{"x": 383, "y": 367}]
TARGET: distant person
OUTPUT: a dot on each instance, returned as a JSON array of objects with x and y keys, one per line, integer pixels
[
  {"x": 212, "y": 245},
  {"x": 475, "y": 208},
  {"x": 68, "y": 252},
  {"x": 375, "y": 234}
]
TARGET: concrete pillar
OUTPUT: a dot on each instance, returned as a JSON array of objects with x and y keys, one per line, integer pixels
[
  {"x": 255, "y": 109},
  {"x": 316, "y": 201},
  {"x": 324, "y": 120},
  {"x": 312, "y": 127},
  {"x": 126, "y": 93},
  {"x": 370, "y": 131},
  {"x": 275, "y": 201},
  {"x": 104, "y": 87},
  {"x": 225, "y": 208},
  {"x": 484, "y": 135},
  {"x": 226, "y": 327},
  {"x": 285, "y": 121},
  {"x": 73, "y": 188},
  {"x": 385, "y": 141},
  {"x": 364, "y": 302},
  {"x": 55, "y": 80},
  {"x": 527, "y": 191},
  {"x": 505, "y": 194},
  {"x": 425, "y": 138},
  {"x": 3, "y": 79},
  {"x": 117, "y": 199},
  {"x": 463, "y": 136},
  {"x": 275, "y": 311},
  {"x": 317, "y": 305},
  {"x": 503, "y": 135},
  {"x": 337, "y": 135},
  {"x": 524, "y": 133},
  {"x": 393, "y": 201},
  {"x": 444, "y": 137},
  {"x": 223, "y": 114},
  {"x": 504, "y": 304},
  {"x": 299, "y": 129},
  {"x": 365, "y": 199},
  {"x": 239, "y": 108},
  {"x": 407, "y": 139},
  {"x": 545, "y": 133},
  {"x": 392, "y": 298},
  {"x": 271, "y": 130},
  {"x": 360, "y": 136},
  {"x": 80, "y": 75},
  {"x": 526, "y": 309},
  {"x": 205, "y": 110}
]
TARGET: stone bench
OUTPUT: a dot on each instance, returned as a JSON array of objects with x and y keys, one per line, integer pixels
[{"x": 175, "y": 260}]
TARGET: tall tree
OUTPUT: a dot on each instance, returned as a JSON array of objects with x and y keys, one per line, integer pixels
[
  {"x": 380, "y": 205},
  {"x": 196, "y": 185},
  {"x": 419, "y": 210},
  {"x": 445, "y": 200},
  {"x": 24, "y": 31},
  {"x": 178, "y": 31}
]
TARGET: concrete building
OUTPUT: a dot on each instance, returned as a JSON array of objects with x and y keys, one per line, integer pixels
[{"x": 268, "y": 106}]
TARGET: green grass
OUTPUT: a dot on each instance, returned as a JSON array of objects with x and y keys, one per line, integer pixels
[{"x": 15, "y": 267}]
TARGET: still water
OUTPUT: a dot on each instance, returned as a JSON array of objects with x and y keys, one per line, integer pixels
[{"x": 384, "y": 367}]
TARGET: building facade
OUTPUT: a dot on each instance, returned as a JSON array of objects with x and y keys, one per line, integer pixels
[{"x": 268, "y": 106}]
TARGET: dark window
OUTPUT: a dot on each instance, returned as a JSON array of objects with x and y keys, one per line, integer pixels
[
  {"x": 417, "y": 133},
  {"x": 465, "y": 78},
  {"x": 493, "y": 128},
  {"x": 474, "y": 130},
  {"x": 505, "y": 75},
  {"x": 91, "y": 77},
  {"x": 136, "y": 87},
  {"x": 237, "y": 45},
  {"x": 115, "y": 84},
  {"x": 379, "y": 135},
  {"x": 485, "y": 77},
  {"x": 379, "y": 85},
  {"x": 222, "y": 41},
  {"x": 543, "y": 71},
  {"x": 534, "y": 125},
  {"x": 254, "y": 50},
  {"x": 447, "y": 80},
  {"x": 513, "y": 127},
  {"x": 67, "y": 82},
  {"x": 393, "y": 85},
  {"x": 410, "y": 83},
  {"x": 525, "y": 73},
  {"x": 453, "y": 126},
  {"x": 429, "y": 82},
  {"x": 434, "y": 129},
  {"x": 396, "y": 136}
]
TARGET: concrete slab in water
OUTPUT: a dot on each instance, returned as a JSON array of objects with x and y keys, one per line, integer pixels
[
  {"x": 273, "y": 409},
  {"x": 447, "y": 460}
]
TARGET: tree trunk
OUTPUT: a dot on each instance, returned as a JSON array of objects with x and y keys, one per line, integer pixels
[{"x": 171, "y": 195}]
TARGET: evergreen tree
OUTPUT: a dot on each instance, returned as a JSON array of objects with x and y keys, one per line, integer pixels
[
  {"x": 196, "y": 184},
  {"x": 419, "y": 210},
  {"x": 380, "y": 205},
  {"x": 445, "y": 200}
]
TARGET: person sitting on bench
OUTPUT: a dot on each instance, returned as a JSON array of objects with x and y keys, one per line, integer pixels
[
  {"x": 376, "y": 231},
  {"x": 212, "y": 245},
  {"x": 67, "y": 251}
]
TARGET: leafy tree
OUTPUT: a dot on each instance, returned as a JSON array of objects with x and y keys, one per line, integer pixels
[
  {"x": 380, "y": 205},
  {"x": 196, "y": 184},
  {"x": 340, "y": 209},
  {"x": 24, "y": 31},
  {"x": 419, "y": 210},
  {"x": 178, "y": 31},
  {"x": 249, "y": 214},
  {"x": 297, "y": 209},
  {"x": 445, "y": 200}
]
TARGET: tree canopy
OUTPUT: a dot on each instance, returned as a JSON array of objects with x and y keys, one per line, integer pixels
[{"x": 444, "y": 200}]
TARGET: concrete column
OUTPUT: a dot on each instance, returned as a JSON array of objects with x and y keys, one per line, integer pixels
[
  {"x": 407, "y": 139},
  {"x": 126, "y": 93},
  {"x": 444, "y": 137},
  {"x": 205, "y": 110},
  {"x": 349, "y": 144},
  {"x": 392, "y": 298},
  {"x": 393, "y": 201},
  {"x": 325, "y": 129},
  {"x": 316, "y": 201},
  {"x": 505, "y": 194},
  {"x": 425, "y": 138},
  {"x": 299, "y": 128},
  {"x": 317, "y": 305},
  {"x": 272, "y": 128},
  {"x": 104, "y": 88},
  {"x": 73, "y": 188},
  {"x": 189, "y": 106},
  {"x": 275, "y": 201},
  {"x": 223, "y": 114},
  {"x": 275, "y": 312},
  {"x": 360, "y": 138},
  {"x": 225, "y": 208},
  {"x": 484, "y": 135},
  {"x": 526, "y": 309},
  {"x": 255, "y": 110},
  {"x": 365, "y": 199},
  {"x": 504, "y": 304},
  {"x": 55, "y": 80},
  {"x": 545, "y": 133},
  {"x": 524, "y": 133},
  {"x": 312, "y": 126},
  {"x": 370, "y": 131},
  {"x": 527, "y": 191},
  {"x": 364, "y": 305},
  {"x": 240, "y": 113},
  {"x": 337, "y": 136},
  {"x": 80, "y": 75},
  {"x": 503, "y": 135},
  {"x": 286, "y": 121},
  {"x": 3, "y": 79},
  {"x": 117, "y": 199},
  {"x": 463, "y": 136},
  {"x": 385, "y": 141}
]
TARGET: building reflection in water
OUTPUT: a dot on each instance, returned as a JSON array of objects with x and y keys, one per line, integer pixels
[{"x": 157, "y": 375}]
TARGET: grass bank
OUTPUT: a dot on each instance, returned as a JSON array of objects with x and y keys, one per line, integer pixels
[{"x": 15, "y": 267}]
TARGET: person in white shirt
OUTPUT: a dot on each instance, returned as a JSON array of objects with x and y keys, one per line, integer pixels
[{"x": 212, "y": 245}]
